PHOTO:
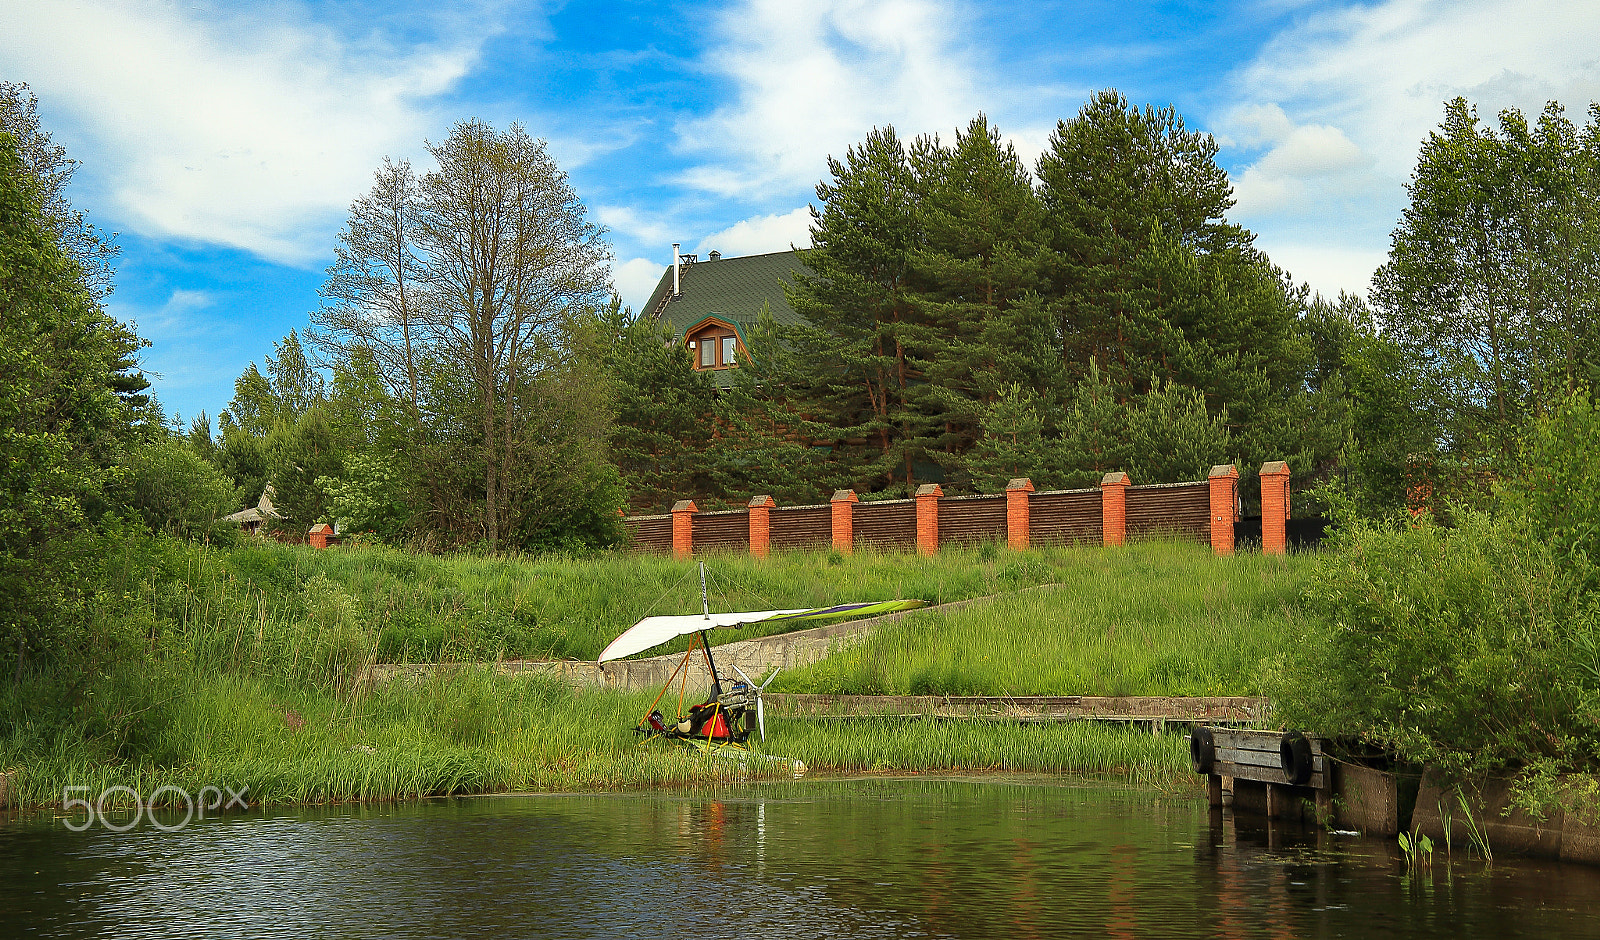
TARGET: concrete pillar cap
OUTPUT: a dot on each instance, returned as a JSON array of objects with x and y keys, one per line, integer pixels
[
  {"x": 756, "y": 502},
  {"x": 1116, "y": 478},
  {"x": 1021, "y": 483},
  {"x": 845, "y": 496},
  {"x": 1223, "y": 470},
  {"x": 1275, "y": 468},
  {"x": 685, "y": 505},
  {"x": 930, "y": 489}
]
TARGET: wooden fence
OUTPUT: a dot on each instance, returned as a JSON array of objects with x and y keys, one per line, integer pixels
[{"x": 1204, "y": 510}]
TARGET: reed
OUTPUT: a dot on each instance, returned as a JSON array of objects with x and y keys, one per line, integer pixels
[
  {"x": 247, "y": 668},
  {"x": 472, "y": 731}
]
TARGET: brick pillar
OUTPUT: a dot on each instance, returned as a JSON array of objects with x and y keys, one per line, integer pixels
[
  {"x": 683, "y": 528},
  {"x": 319, "y": 535},
  {"x": 1114, "y": 508},
  {"x": 1017, "y": 512},
  {"x": 928, "y": 518},
  {"x": 1224, "y": 480},
  {"x": 844, "y": 536},
  {"x": 761, "y": 525},
  {"x": 1274, "y": 507}
]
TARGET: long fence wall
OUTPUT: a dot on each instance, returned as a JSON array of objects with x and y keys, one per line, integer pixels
[{"x": 1204, "y": 511}]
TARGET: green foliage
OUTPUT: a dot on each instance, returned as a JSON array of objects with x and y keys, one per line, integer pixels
[
  {"x": 663, "y": 410},
  {"x": 1559, "y": 491},
  {"x": 299, "y": 455},
  {"x": 370, "y": 497},
  {"x": 1460, "y": 648},
  {"x": 62, "y": 422},
  {"x": 177, "y": 492},
  {"x": 1493, "y": 276}
]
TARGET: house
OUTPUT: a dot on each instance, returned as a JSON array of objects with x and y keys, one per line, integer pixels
[
  {"x": 254, "y": 520},
  {"x": 712, "y": 305}
]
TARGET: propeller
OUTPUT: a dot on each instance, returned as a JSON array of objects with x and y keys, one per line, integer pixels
[{"x": 756, "y": 690}]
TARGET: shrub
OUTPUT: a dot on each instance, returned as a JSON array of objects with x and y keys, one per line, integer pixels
[{"x": 1460, "y": 648}]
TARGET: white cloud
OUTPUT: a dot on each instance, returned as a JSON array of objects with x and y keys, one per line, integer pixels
[
  {"x": 631, "y": 224},
  {"x": 1326, "y": 121},
  {"x": 1382, "y": 71},
  {"x": 814, "y": 78},
  {"x": 633, "y": 280},
  {"x": 249, "y": 129},
  {"x": 1328, "y": 269},
  {"x": 761, "y": 235},
  {"x": 1312, "y": 163}
]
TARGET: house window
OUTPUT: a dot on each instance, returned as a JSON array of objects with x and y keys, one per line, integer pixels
[{"x": 716, "y": 348}]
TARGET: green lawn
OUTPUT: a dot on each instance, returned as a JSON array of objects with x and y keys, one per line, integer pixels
[{"x": 1153, "y": 618}]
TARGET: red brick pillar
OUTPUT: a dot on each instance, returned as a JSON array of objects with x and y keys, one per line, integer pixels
[
  {"x": 683, "y": 528},
  {"x": 319, "y": 535},
  {"x": 760, "y": 525},
  {"x": 1114, "y": 508},
  {"x": 928, "y": 518},
  {"x": 1274, "y": 507},
  {"x": 844, "y": 538},
  {"x": 1224, "y": 480},
  {"x": 1017, "y": 512}
]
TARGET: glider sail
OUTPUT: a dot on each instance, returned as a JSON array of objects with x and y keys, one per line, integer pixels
[{"x": 653, "y": 631}]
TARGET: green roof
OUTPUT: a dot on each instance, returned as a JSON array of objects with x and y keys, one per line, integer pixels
[{"x": 731, "y": 289}]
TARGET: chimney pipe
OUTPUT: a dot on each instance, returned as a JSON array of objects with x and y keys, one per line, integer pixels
[{"x": 676, "y": 291}]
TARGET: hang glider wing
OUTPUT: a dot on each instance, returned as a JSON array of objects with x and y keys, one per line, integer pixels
[{"x": 653, "y": 631}]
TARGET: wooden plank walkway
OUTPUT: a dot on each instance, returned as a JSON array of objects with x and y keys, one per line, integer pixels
[{"x": 1138, "y": 708}]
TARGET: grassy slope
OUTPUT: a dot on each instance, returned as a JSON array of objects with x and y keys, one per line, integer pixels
[
  {"x": 1154, "y": 618},
  {"x": 239, "y": 667},
  {"x": 417, "y": 607}
]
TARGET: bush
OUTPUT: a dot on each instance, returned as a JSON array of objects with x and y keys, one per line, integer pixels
[
  {"x": 1469, "y": 649},
  {"x": 177, "y": 493}
]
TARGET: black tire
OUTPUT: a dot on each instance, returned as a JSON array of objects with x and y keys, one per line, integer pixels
[
  {"x": 1294, "y": 752},
  {"x": 1202, "y": 749}
]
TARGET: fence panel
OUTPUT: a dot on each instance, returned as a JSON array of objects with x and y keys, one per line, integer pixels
[
  {"x": 722, "y": 531},
  {"x": 964, "y": 520},
  {"x": 891, "y": 524},
  {"x": 650, "y": 533},
  {"x": 801, "y": 527},
  {"x": 1176, "y": 509},
  {"x": 1061, "y": 517}
]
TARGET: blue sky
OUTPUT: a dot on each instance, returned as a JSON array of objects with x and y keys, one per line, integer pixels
[{"x": 224, "y": 142}]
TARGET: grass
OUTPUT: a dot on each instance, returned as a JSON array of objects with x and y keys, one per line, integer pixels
[
  {"x": 242, "y": 605},
  {"x": 471, "y": 731},
  {"x": 1154, "y": 618},
  {"x": 243, "y": 668},
  {"x": 1081, "y": 747}
]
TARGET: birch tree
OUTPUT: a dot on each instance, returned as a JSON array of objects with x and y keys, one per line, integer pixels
[{"x": 464, "y": 285}]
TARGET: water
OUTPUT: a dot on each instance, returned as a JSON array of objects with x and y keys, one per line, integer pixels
[{"x": 989, "y": 857}]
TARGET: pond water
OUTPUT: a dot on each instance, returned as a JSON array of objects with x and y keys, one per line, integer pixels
[{"x": 963, "y": 857}]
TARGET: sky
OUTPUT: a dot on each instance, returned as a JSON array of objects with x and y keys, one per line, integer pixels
[{"x": 225, "y": 142}]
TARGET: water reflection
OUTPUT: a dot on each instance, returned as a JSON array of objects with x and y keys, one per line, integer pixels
[{"x": 820, "y": 858}]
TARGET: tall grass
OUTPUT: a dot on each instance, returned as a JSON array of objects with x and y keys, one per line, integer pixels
[
  {"x": 1153, "y": 618},
  {"x": 297, "y": 609},
  {"x": 463, "y": 731},
  {"x": 246, "y": 667},
  {"x": 1080, "y": 747}
]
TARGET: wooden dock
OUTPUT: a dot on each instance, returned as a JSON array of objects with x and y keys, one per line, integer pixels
[
  {"x": 1273, "y": 773},
  {"x": 1138, "y": 709}
]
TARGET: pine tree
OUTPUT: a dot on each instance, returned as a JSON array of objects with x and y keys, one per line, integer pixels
[{"x": 861, "y": 348}]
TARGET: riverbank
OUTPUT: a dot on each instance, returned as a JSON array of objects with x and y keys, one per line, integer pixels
[
  {"x": 470, "y": 731},
  {"x": 249, "y": 667}
]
